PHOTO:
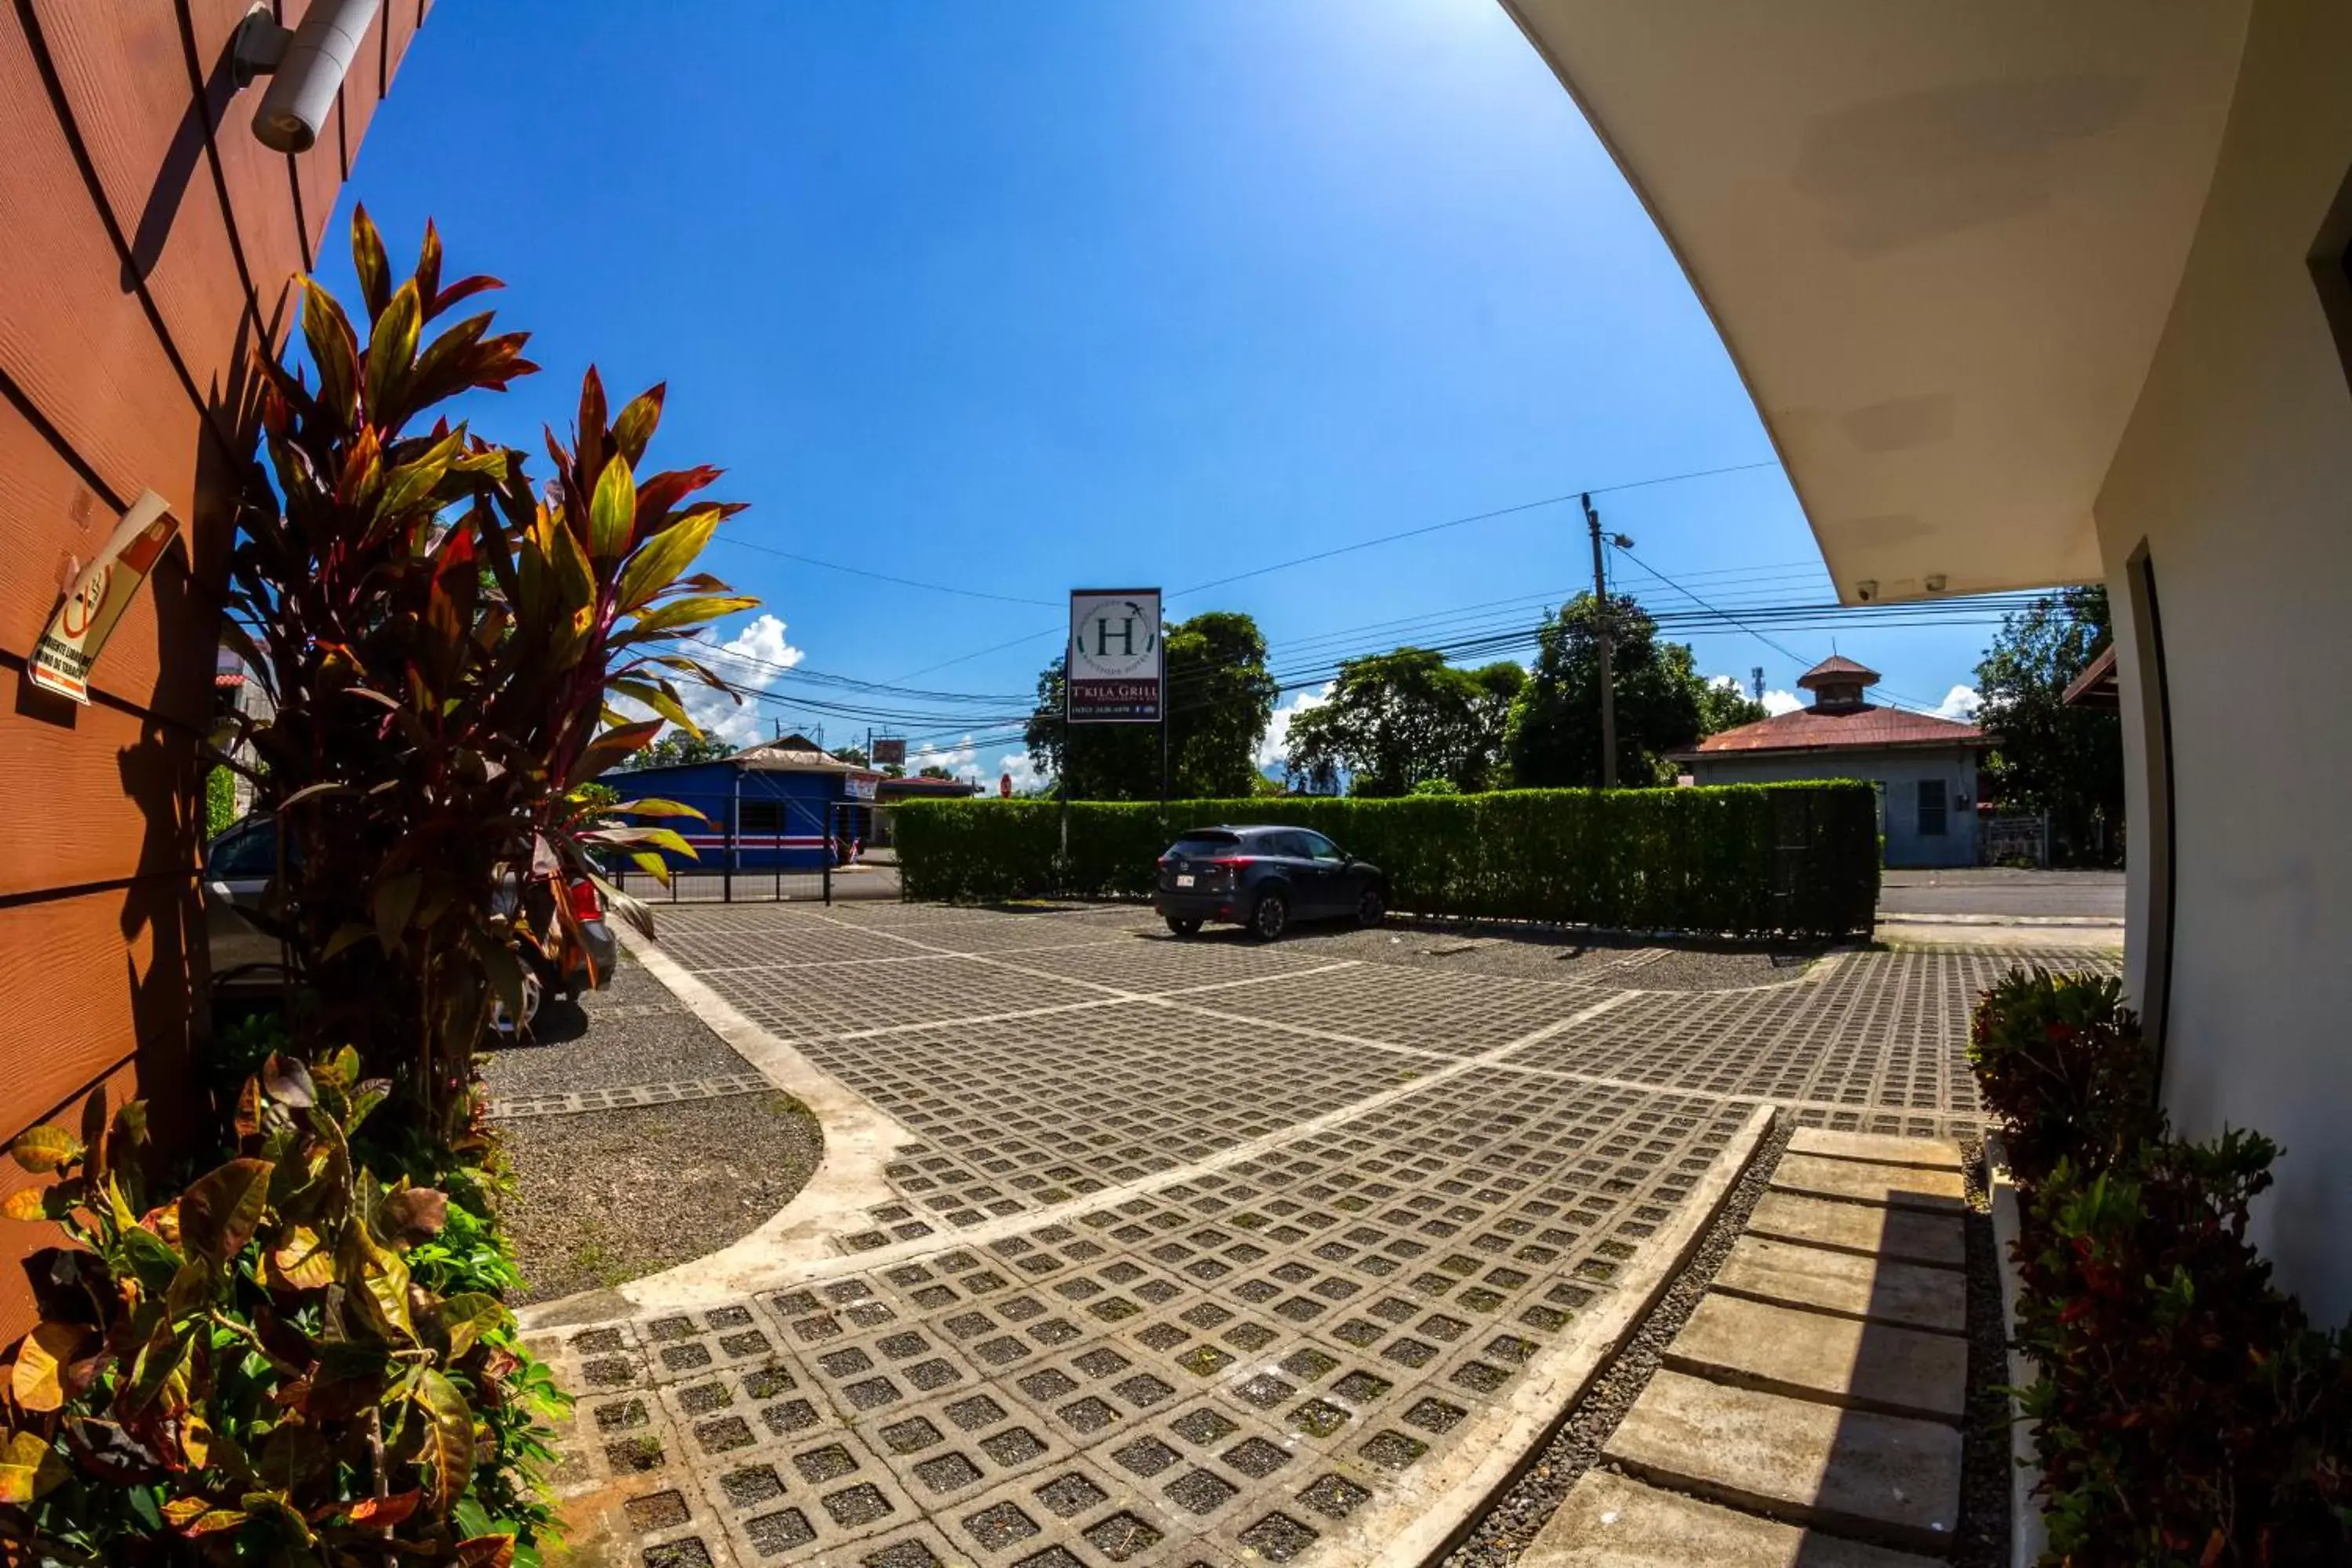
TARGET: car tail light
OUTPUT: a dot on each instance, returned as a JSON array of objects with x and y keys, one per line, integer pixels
[{"x": 585, "y": 905}]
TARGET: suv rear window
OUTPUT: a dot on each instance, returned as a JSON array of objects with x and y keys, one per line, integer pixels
[{"x": 1204, "y": 846}]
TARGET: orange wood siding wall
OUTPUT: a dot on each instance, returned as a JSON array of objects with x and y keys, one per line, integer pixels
[{"x": 147, "y": 247}]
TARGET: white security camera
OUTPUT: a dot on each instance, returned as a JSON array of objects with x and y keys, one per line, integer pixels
[{"x": 306, "y": 67}]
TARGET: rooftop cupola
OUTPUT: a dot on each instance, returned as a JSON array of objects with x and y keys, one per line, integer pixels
[{"x": 1837, "y": 685}]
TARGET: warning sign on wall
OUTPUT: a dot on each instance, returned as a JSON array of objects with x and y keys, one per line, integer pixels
[{"x": 97, "y": 595}]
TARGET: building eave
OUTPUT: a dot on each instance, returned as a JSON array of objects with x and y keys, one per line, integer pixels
[
  {"x": 1939, "y": 243},
  {"x": 1977, "y": 742}
]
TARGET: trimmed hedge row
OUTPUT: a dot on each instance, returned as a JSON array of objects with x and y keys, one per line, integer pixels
[{"x": 1747, "y": 860}]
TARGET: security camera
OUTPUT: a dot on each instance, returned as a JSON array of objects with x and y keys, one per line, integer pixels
[
  {"x": 306, "y": 67},
  {"x": 1866, "y": 590}
]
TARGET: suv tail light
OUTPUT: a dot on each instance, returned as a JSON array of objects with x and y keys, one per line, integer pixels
[{"x": 585, "y": 904}]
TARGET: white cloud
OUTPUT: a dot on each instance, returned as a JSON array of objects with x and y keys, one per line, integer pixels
[
  {"x": 754, "y": 658},
  {"x": 1775, "y": 702},
  {"x": 961, "y": 760},
  {"x": 1276, "y": 745},
  {"x": 1960, "y": 702}
]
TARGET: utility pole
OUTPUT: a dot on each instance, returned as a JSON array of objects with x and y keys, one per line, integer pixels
[
  {"x": 1756, "y": 675},
  {"x": 1605, "y": 617}
]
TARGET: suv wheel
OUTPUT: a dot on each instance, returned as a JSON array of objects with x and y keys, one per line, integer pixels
[
  {"x": 1271, "y": 918},
  {"x": 1371, "y": 909},
  {"x": 1184, "y": 927}
]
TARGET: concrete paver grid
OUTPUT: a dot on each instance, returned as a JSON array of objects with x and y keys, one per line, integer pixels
[
  {"x": 1420, "y": 1009},
  {"x": 1037, "y": 1109},
  {"x": 1877, "y": 1039},
  {"x": 1239, "y": 1361},
  {"x": 1332, "y": 1275}
]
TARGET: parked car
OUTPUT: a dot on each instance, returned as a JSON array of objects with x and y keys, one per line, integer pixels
[
  {"x": 239, "y": 863},
  {"x": 1263, "y": 879}
]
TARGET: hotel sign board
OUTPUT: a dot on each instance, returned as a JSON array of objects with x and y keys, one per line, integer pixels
[{"x": 1115, "y": 669}]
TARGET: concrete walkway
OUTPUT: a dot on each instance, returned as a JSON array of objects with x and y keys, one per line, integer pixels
[{"x": 1808, "y": 1413}]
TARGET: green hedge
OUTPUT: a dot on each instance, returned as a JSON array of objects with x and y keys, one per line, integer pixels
[{"x": 1747, "y": 859}]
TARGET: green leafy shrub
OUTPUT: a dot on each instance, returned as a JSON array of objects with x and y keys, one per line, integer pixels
[
  {"x": 220, "y": 803},
  {"x": 1747, "y": 860},
  {"x": 266, "y": 1367},
  {"x": 2187, "y": 1414},
  {"x": 2061, "y": 1061}
]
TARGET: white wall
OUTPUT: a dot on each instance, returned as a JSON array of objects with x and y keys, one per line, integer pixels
[
  {"x": 2236, "y": 472},
  {"x": 1898, "y": 773}
]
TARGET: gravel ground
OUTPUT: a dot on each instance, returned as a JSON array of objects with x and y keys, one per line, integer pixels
[
  {"x": 1983, "y": 1538},
  {"x": 633, "y": 1031},
  {"x": 611, "y": 1195},
  {"x": 1509, "y": 1526}
]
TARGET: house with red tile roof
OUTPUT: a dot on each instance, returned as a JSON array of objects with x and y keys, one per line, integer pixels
[{"x": 1925, "y": 767}]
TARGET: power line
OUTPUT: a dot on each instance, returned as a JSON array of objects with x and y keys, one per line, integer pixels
[
  {"x": 1518, "y": 634},
  {"x": 1781, "y": 647},
  {"x": 1474, "y": 517},
  {"x": 1385, "y": 538},
  {"x": 877, "y": 576}
]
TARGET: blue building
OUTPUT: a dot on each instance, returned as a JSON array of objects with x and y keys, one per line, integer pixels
[{"x": 785, "y": 804}]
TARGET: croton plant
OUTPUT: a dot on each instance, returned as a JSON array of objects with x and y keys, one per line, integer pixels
[
  {"x": 441, "y": 640},
  {"x": 279, "y": 1364},
  {"x": 249, "y": 1369}
]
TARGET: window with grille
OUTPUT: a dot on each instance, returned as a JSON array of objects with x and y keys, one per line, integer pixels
[{"x": 760, "y": 818}]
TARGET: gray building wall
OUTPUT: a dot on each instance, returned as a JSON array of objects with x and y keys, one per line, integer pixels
[{"x": 1898, "y": 775}]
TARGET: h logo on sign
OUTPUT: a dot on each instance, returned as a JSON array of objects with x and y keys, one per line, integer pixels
[{"x": 1103, "y": 635}]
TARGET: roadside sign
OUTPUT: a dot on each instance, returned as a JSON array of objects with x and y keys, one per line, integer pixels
[
  {"x": 1115, "y": 669},
  {"x": 1005, "y": 785},
  {"x": 890, "y": 751},
  {"x": 97, "y": 595}
]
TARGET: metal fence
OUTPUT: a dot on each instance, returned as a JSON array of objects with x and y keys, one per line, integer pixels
[{"x": 730, "y": 881}]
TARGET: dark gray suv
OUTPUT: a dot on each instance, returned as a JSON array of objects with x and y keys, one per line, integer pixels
[{"x": 1263, "y": 879}]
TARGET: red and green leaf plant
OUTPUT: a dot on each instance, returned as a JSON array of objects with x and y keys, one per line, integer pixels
[
  {"x": 2185, "y": 1412},
  {"x": 443, "y": 644},
  {"x": 248, "y": 1370},
  {"x": 2064, "y": 1064},
  {"x": 278, "y": 1365}
]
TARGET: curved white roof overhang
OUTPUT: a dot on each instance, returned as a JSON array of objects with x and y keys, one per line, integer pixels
[{"x": 1940, "y": 242}]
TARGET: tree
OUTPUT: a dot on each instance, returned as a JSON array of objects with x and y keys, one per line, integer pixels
[
  {"x": 676, "y": 748},
  {"x": 2046, "y": 756},
  {"x": 1722, "y": 705},
  {"x": 1219, "y": 701},
  {"x": 935, "y": 772},
  {"x": 854, "y": 755},
  {"x": 1395, "y": 719},
  {"x": 1662, "y": 702}
]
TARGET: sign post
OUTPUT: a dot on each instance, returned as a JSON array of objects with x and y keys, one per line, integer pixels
[{"x": 1117, "y": 670}]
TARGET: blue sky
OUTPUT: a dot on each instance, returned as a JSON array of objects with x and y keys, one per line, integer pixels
[{"x": 1021, "y": 297}]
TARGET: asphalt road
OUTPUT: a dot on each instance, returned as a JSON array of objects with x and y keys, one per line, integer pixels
[{"x": 1994, "y": 891}]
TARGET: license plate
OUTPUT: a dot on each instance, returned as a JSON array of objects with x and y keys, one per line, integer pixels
[{"x": 1185, "y": 881}]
